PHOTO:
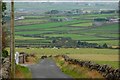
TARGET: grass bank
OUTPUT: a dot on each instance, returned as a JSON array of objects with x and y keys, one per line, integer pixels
[
  {"x": 75, "y": 71},
  {"x": 22, "y": 72}
]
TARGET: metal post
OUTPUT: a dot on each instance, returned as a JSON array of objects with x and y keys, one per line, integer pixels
[
  {"x": 0, "y": 34},
  {"x": 12, "y": 42}
]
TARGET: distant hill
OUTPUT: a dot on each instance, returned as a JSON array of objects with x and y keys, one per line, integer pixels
[{"x": 41, "y": 7}]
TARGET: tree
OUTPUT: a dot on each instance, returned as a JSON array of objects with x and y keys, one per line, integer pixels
[
  {"x": 105, "y": 45},
  {"x": 54, "y": 11}
]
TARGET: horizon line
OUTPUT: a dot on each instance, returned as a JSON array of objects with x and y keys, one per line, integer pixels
[{"x": 57, "y": 1}]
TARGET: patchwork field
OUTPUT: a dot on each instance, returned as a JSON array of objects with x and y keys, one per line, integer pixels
[
  {"x": 106, "y": 34},
  {"x": 33, "y": 32},
  {"x": 33, "y": 28}
]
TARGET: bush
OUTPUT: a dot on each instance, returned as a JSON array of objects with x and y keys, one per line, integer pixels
[
  {"x": 4, "y": 53},
  {"x": 105, "y": 45}
]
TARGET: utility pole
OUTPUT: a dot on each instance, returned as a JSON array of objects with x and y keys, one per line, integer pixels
[
  {"x": 12, "y": 42},
  {"x": 0, "y": 33}
]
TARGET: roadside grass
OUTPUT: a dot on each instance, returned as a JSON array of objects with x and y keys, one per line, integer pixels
[
  {"x": 22, "y": 72},
  {"x": 75, "y": 71}
]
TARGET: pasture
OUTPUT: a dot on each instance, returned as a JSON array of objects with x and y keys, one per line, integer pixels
[
  {"x": 103, "y": 34},
  {"x": 50, "y": 24},
  {"x": 83, "y": 24},
  {"x": 101, "y": 56},
  {"x": 30, "y": 21}
]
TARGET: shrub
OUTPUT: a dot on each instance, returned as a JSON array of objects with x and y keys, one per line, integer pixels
[
  {"x": 4, "y": 53},
  {"x": 105, "y": 45}
]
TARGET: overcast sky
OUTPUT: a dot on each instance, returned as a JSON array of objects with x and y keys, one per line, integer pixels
[{"x": 63, "y": 0}]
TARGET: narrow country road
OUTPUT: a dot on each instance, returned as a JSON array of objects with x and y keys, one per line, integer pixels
[{"x": 46, "y": 68}]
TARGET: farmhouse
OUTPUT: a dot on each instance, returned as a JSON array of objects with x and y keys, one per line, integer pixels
[
  {"x": 19, "y": 18},
  {"x": 114, "y": 20},
  {"x": 60, "y": 19}
]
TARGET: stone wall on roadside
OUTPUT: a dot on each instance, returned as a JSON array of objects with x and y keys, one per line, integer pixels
[
  {"x": 5, "y": 69},
  {"x": 105, "y": 70}
]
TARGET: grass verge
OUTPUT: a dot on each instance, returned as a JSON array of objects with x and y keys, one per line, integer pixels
[
  {"x": 22, "y": 72},
  {"x": 75, "y": 71}
]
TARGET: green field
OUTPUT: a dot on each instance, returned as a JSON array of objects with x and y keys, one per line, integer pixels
[
  {"x": 110, "y": 42},
  {"x": 101, "y": 56},
  {"x": 92, "y": 16},
  {"x": 76, "y": 29},
  {"x": 105, "y": 33},
  {"x": 49, "y": 24},
  {"x": 83, "y": 24},
  {"x": 75, "y": 36}
]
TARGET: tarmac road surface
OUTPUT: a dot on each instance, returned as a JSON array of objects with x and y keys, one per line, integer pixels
[{"x": 46, "y": 68}]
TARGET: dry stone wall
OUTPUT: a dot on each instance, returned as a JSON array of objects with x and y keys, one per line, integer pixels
[
  {"x": 5, "y": 69},
  {"x": 106, "y": 71}
]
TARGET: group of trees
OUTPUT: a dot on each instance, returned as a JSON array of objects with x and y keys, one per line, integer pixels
[
  {"x": 59, "y": 42},
  {"x": 69, "y": 43},
  {"x": 52, "y": 12}
]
